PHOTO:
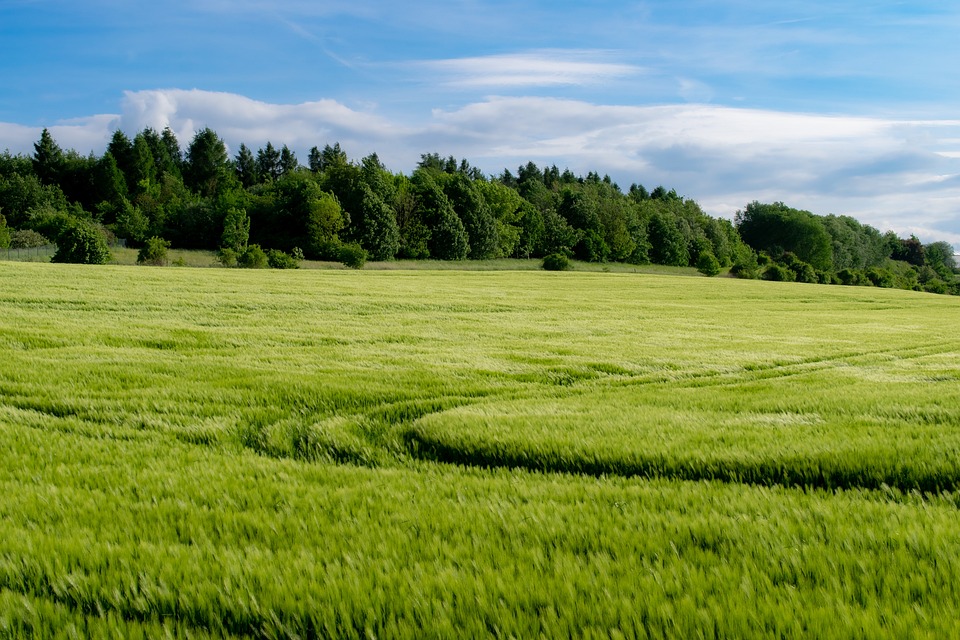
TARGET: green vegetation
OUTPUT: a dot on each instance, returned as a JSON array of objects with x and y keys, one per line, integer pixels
[
  {"x": 231, "y": 453},
  {"x": 338, "y": 210}
]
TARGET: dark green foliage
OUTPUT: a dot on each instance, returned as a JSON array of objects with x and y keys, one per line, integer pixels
[
  {"x": 48, "y": 159},
  {"x": 476, "y": 217},
  {"x": 852, "y": 278},
  {"x": 279, "y": 260},
  {"x": 802, "y": 272},
  {"x": 558, "y": 235},
  {"x": 131, "y": 223},
  {"x": 268, "y": 163},
  {"x": 880, "y": 277},
  {"x": 144, "y": 169},
  {"x": 910, "y": 250},
  {"x": 236, "y": 230},
  {"x": 447, "y": 209},
  {"x": 81, "y": 243},
  {"x": 379, "y": 233},
  {"x": 245, "y": 167},
  {"x": 855, "y": 246},
  {"x": 207, "y": 170},
  {"x": 4, "y": 233},
  {"x": 592, "y": 247},
  {"x": 708, "y": 264},
  {"x": 448, "y": 239},
  {"x": 227, "y": 257},
  {"x": 555, "y": 262},
  {"x": 778, "y": 273},
  {"x": 22, "y": 195},
  {"x": 776, "y": 228},
  {"x": 939, "y": 256},
  {"x": 353, "y": 255},
  {"x": 27, "y": 239},
  {"x": 121, "y": 148},
  {"x": 253, "y": 257},
  {"x": 746, "y": 264},
  {"x": 668, "y": 245},
  {"x": 154, "y": 252}
]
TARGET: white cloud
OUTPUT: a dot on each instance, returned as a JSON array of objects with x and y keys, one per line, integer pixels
[
  {"x": 539, "y": 69},
  {"x": 889, "y": 173}
]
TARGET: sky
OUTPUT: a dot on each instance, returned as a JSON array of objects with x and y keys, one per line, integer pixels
[{"x": 842, "y": 107}]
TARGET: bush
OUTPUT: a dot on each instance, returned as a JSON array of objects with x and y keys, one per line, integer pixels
[
  {"x": 279, "y": 260},
  {"x": 253, "y": 257},
  {"x": 227, "y": 257},
  {"x": 4, "y": 233},
  {"x": 708, "y": 264},
  {"x": 80, "y": 243},
  {"x": 556, "y": 262},
  {"x": 778, "y": 273},
  {"x": 154, "y": 252},
  {"x": 853, "y": 278},
  {"x": 880, "y": 277},
  {"x": 353, "y": 256},
  {"x": 27, "y": 239}
]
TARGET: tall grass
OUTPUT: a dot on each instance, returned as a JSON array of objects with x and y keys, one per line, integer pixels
[{"x": 219, "y": 452}]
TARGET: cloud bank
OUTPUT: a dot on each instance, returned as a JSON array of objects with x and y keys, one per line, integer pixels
[{"x": 893, "y": 174}]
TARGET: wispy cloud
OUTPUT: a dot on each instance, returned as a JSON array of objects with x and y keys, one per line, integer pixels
[{"x": 534, "y": 69}]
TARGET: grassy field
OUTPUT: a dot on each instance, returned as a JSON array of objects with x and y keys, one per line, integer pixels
[{"x": 394, "y": 453}]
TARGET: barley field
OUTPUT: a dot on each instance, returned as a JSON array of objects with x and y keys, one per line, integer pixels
[{"x": 320, "y": 453}]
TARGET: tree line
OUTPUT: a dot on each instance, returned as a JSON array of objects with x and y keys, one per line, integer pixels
[{"x": 266, "y": 207}]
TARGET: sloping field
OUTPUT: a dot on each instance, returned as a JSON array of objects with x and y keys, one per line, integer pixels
[{"x": 430, "y": 454}]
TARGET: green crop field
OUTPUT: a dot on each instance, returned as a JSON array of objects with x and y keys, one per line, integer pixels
[{"x": 392, "y": 453}]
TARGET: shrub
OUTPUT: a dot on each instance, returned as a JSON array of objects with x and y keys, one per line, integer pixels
[
  {"x": 4, "y": 233},
  {"x": 27, "y": 239},
  {"x": 556, "y": 262},
  {"x": 935, "y": 286},
  {"x": 708, "y": 264},
  {"x": 154, "y": 252},
  {"x": 227, "y": 257},
  {"x": 880, "y": 277},
  {"x": 80, "y": 243},
  {"x": 252, "y": 258},
  {"x": 353, "y": 255},
  {"x": 852, "y": 278},
  {"x": 279, "y": 260},
  {"x": 778, "y": 273}
]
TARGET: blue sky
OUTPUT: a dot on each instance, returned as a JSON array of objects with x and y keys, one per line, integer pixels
[{"x": 836, "y": 107}]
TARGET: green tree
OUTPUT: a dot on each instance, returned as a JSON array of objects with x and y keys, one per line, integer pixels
[
  {"x": 154, "y": 252},
  {"x": 81, "y": 243},
  {"x": 708, "y": 264},
  {"x": 121, "y": 148},
  {"x": 4, "y": 233},
  {"x": 245, "y": 166},
  {"x": 940, "y": 257},
  {"x": 144, "y": 169},
  {"x": 505, "y": 206},
  {"x": 306, "y": 216},
  {"x": 379, "y": 233},
  {"x": 206, "y": 170},
  {"x": 448, "y": 240},
  {"x": 476, "y": 217},
  {"x": 268, "y": 163},
  {"x": 48, "y": 159},
  {"x": 667, "y": 243},
  {"x": 288, "y": 161},
  {"x": 172, "y": 146},
  {"x": 776, "y": 228},
  {"x": 236, "y": 230}
]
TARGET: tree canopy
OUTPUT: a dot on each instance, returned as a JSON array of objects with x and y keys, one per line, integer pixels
[{"x": 145, "y": 187}]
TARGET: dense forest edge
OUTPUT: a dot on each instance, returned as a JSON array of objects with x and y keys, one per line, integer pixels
[{"x": 266, "y": 209}]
